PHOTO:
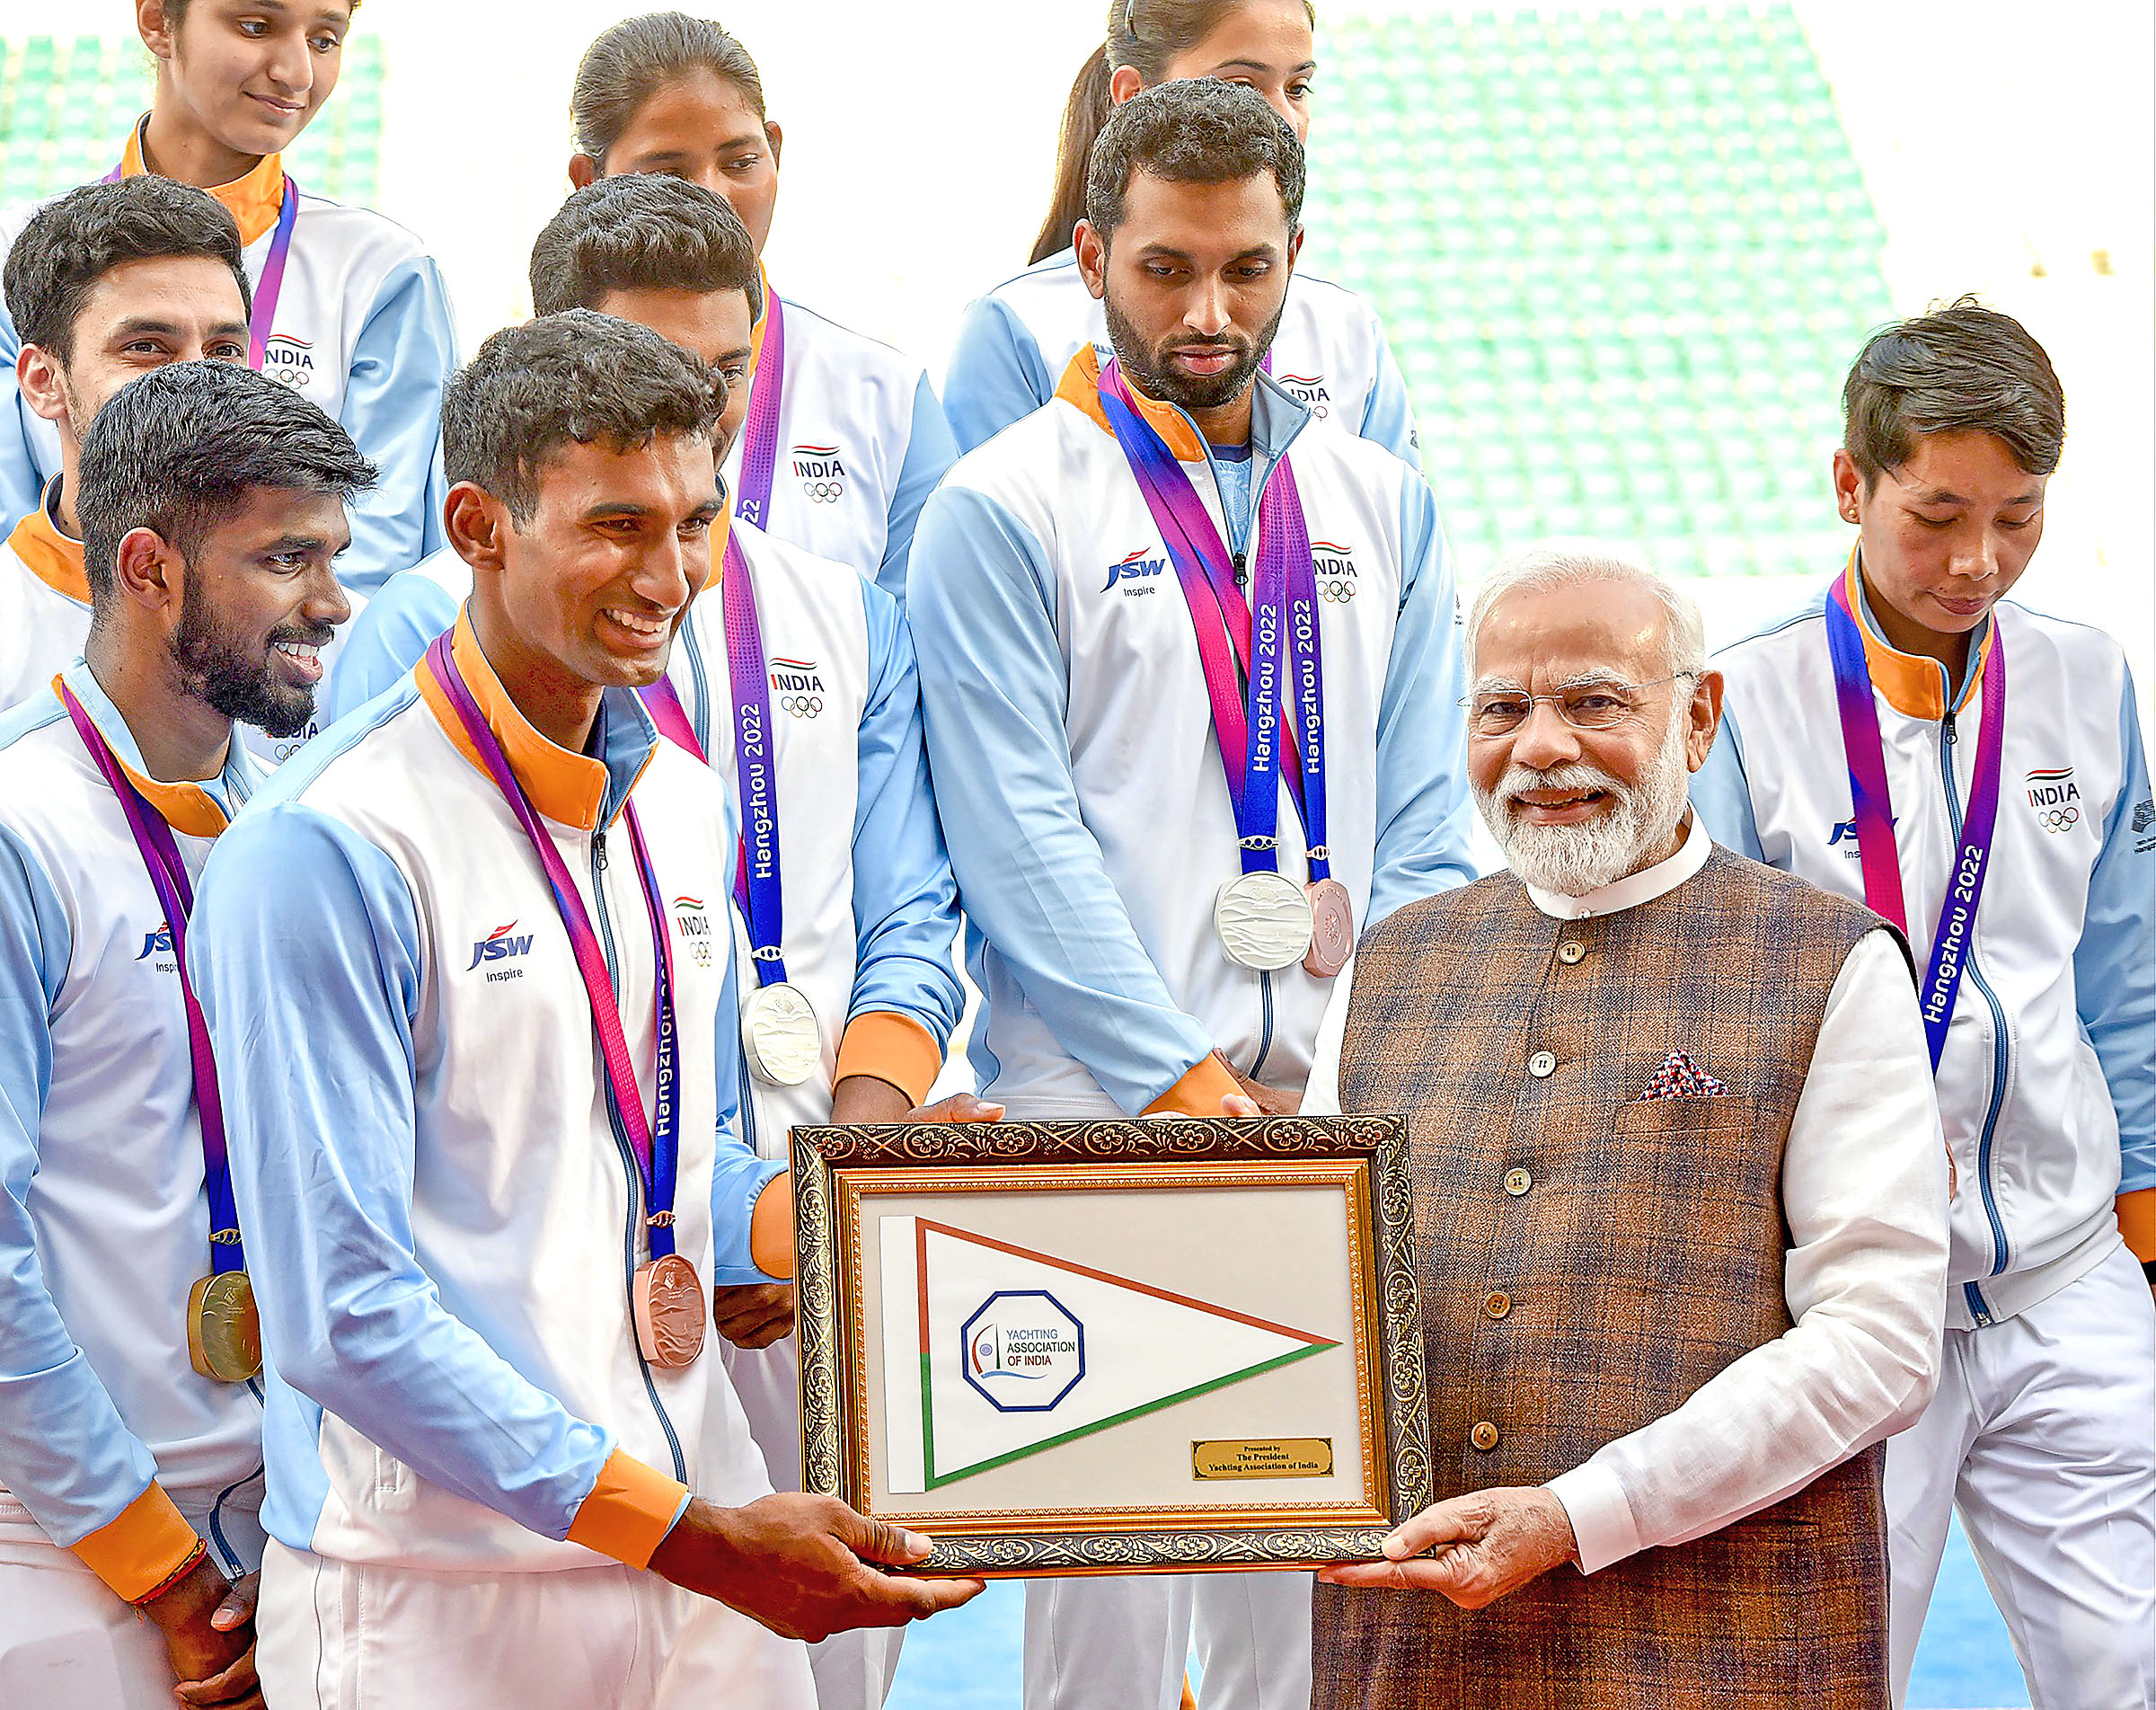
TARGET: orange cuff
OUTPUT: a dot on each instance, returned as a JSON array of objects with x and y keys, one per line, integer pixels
[
  {"x": 770, "y": 1229},
  {"x": 146, "y": 1547},
  {"x": 893, "y": 1049},
  {"x": 2137, "y": 1222},
  {"x": 1199, "y": 1092},
  {"x": 630, "y": 1510}
]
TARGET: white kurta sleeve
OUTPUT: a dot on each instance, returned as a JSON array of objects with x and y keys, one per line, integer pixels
[
  {"x": 1864, "y": 1191},
  {"x": 1321, "y": 1091}
]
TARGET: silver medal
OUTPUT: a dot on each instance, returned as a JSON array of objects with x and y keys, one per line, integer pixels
[
  {"x": 780, "y": 1033},
  {"x": 1264, "y": 920}
]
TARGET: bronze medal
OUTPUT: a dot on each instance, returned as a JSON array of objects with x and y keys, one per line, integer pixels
[
  {"x": 1333, "y": 928},
  {"x": 670, "y": 1311},
  {"x": 223, "y": 1330}
]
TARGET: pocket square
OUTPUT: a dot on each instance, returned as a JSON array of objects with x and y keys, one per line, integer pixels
[{"x": 1680, "y": 1077}]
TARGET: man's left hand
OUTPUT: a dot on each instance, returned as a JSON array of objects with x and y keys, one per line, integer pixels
[
  {"x": 753, "y": 1315},
  {"x": 236, "y": 1687},
  {"x": 1480, "y": 1547},
  {"x": 1271, "y": 1101}
]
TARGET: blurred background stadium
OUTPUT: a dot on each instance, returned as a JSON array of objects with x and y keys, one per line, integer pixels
[{"x": 1625, "y": 254}]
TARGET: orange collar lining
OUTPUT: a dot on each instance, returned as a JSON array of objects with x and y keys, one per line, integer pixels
[
  {"x": 1080, "y": 385},
  {"x": 48, "y": 555},
  {"x": 1914, "y": 684},
  {"x": 253, "y": 201}
]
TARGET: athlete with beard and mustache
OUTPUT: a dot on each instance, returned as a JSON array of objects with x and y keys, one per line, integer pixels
[
  {"x": 213, "y": 508},
  {"x": 1092, "y": 592},
  {"x": 1681, "y": 1231}
]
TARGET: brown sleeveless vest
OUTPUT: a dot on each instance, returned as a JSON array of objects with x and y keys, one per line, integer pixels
[{"x": 1586, "y": 1261}]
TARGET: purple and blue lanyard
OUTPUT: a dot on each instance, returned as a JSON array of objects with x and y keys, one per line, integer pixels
[
  {"x": 271, "y": 285},
  {"x": 1257, "y": 661},
  {"x": 756, "y": 886},
  {"x": 656, "y": 1142},
  {"x": 168, "y": 877},
  {"x": 760, "y": 432},
  {"x": 1873, "y": 812}
]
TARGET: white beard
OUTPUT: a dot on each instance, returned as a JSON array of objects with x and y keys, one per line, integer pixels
[{"x": 1571, "y": 860}]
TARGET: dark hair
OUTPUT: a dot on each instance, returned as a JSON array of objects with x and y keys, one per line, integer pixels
[
  {"x": 639, "y": 57},
  {"x": 1194, "y": 130},
  {"x": 1961, "y": 366},
  {"x": 573, "y": 376},
  {"x": 642, "y": 233},
  {"x": 178, "y": 450},
  {"x": 1146, "y": 35},
  {"x": 72, "y": 242}
]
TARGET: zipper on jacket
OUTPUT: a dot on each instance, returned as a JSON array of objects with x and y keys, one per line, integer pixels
[
  {"x": 233, "y": 1567},
  {"x": 1979, "y": 1309},
  {"x": 627, "y": 1153}
]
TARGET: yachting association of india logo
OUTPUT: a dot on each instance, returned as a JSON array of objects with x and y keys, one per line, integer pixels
[
  {"x": 2055, "y": 797},
  {"x": 1025, "y": 1351}
]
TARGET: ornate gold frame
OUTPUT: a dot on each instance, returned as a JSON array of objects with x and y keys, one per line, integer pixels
[{"x": 836, "y": 1167}]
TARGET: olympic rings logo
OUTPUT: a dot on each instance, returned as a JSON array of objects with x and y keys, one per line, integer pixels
[
  {"x": 824, "y": 492},
  {"x": 803, "y": 706},
  {"x": 1338, "y": 592},
  {"x": 2062, "y": 819}
]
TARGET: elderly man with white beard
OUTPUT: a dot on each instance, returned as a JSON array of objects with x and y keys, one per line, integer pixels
[{"x": 1681, "y": 1210}]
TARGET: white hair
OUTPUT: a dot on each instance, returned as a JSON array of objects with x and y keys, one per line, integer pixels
[{"x": 1548, "y": 566}]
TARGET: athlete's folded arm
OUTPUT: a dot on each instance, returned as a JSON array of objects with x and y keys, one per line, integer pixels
[
  {"x": 1424, "y": 812},
  {"x": 304, "y": 952},
  {"x": 929, "y": 452},
  {"x": 387, "y": 639},
  {"x": 65, "y": 1451},
  {"x": 2114, "y": 961},
  {"x": 1721, "y": 795},
  {"x": 404, "y": 355},
  {"x": 996, "y": 375},
  {"x": 993, "y": 694},
  {"x": 906, "y": 906}
]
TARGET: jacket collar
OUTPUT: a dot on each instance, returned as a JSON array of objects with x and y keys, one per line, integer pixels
[
  {"x": 253, "y": 201},
  {"x": 583, "y": 791},
  {"x": 1914, "y": 684},
  {"x": 194, "y": 809},
  {"x": 48, "y": 552},
  {"x": 1277, "y": 417}
]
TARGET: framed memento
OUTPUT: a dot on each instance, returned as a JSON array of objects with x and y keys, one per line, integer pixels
[{"x": 1114, "y": 1347}]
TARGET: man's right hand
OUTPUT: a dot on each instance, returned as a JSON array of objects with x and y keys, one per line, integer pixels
[
  {"x": 802, "y": 1565},
  {"x": 185, "y": 1614}
]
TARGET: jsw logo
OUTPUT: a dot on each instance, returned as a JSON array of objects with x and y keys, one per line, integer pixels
[
  {"x": 1846, "y": 831},
  {"x": 1132, "y": 568},
  {"x": 498, "y": 946},
  {"x": 156, "y": 943}
]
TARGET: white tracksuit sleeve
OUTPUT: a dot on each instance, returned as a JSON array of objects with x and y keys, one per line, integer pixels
[
  {"x": 1723, "y": 796},
  {"x": 906, "y": 903},
  {"x": 997, "y": 374},
  {"x": 2114, "y": 962},
  {"x": 393, "y": 409},
  {"x": 391, "y": 635},
  {"x": 1425, "y": 813},
  {"x": 64, "y": 1451},
  {"x": 304, "y": 952},
  {"x": 929, "y": 452},
  {"x": 1389, "y": 417},
  {"x": 995, "y": 697}
]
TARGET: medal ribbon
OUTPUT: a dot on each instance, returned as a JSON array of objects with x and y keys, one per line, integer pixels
[
  {"x": 656, "y": 1142},
  {"x": 756, "y": 885},
  {"x": 1873, "y": 812},
  {"x": 263, "y": 318},
  {"x": 1275, "y": 646},
  {"x": 168, "y": 877},
  {"x": 760, "y": 432}
]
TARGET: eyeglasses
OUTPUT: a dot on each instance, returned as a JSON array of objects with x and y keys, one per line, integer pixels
[{"x": 1584, "y": 706}]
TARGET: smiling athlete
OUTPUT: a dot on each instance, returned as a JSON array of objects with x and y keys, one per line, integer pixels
[
  {"x": 1163, "y": 866},
  {"x": 1974, "y": 771},
  {"x": 491, "y": 1187},
  {"x": 844, "y": 437},
  {"x": 212, "y": 504},
  {"x": 1329, "y": 352},
  {"x": 347, "y": 308}
]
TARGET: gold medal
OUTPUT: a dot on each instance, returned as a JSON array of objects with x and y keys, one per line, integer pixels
[
  {"x": 223, "y": 1330},
  {"x": 667, "y": 1302}
]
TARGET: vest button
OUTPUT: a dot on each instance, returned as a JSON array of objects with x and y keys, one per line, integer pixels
[
  {"x": 1497, "y": 1303},
  {"x": 1484, "y": 1436},
  {"x": 1571, "y": 952},
  {"x": 1543, "y": 1065},
  {"x": 1517, "y": 1182}
]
